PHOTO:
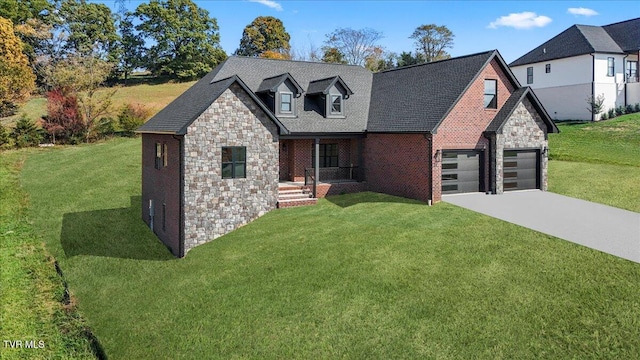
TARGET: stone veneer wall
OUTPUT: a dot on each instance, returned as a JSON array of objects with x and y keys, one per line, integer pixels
[
  {"x": 214, "y": 206},
  {"x": 523, "y": 130}
]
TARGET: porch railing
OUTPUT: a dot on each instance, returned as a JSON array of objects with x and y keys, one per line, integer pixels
[{"x": 334, "y": 174}]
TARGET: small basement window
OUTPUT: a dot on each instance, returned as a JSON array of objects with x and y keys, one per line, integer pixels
[
  {"x": 336, "y": 104},
  {"x": 234, "y": 162}
]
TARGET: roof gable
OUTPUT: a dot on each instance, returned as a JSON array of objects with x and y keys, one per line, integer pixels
[
  {"x": 176, "y": 117},
  {"x": 574, "y": 41},
  {"x": 418, "y": 98},
  {"x": 271, "y": 84},
  {"x": 323, "y": 86},
  {"x": 509, "y": 107}
]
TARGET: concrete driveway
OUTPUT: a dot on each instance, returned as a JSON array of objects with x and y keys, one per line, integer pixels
[{"x": 605, "y": 228}]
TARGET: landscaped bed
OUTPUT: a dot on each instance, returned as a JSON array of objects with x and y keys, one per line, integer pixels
[{"x": 358, "y": 276}]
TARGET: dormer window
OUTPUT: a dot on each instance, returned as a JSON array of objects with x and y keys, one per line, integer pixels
[
  {"x": 336, "y": 104},
  {"x": 279, "y": 93},
  {"x": 286, "y": 100},
  {"x": 329, "y": 95}
]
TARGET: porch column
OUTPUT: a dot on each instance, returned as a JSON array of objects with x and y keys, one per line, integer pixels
[{"x": 316, "y": 161}]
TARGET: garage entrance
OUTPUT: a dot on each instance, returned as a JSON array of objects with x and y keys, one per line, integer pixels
[
  {"x": 461, "y": 171},
  {"x": 521, "y": 169}
]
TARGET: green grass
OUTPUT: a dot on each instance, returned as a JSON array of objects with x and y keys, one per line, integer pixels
[
  {"x": 615, "y": 141},
  {"x": 33, "y": 306},
  {"x": 153, "y": 96},
  {"x": 357, "y": 276}
]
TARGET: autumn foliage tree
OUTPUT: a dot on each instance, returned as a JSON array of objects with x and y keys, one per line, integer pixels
[
  {"x": 63, "y": 121},
  {"x": 16, "y": 78},
  {"x": 265, "y": 37}
]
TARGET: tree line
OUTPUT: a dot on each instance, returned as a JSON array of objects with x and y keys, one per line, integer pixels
[{"x": 70, "y": 49}]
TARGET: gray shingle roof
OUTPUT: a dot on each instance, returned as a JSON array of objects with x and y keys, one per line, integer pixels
[
  {"x": 179, "y": 114},
  {"x": 310, "y": 119},
  {"x": 417, "y": 98},
  {"x": 626, "y": 34},
  {"x": 576, "y": 40},
  {"x": 510, "y": 105}
]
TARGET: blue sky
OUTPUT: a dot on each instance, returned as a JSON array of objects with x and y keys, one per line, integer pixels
[{"x": 512, "y": 27}]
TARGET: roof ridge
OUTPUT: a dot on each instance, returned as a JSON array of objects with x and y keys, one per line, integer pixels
[
  {"x": 621, "y": 22},
  {"x": 293, "y": 61},
  {"x": 439, "y": 61}
]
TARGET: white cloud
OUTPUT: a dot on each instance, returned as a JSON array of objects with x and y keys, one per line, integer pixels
[
  {"x": 523, "y": 20},
  {"x": 582, "y": 11},
  {"x": 270, "y": 3}
]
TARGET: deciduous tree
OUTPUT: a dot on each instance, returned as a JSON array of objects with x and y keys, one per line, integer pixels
[
  {"x": 333, "y": 55},
  {"x": 186, "y": 43},
  {"x": 91, "y": 29},
  {"x": 431, "y": 41},
  {"x": 354, "y": 45},
  {"x": 265, "y": 34},
  {"x": 16, "y": 78}
]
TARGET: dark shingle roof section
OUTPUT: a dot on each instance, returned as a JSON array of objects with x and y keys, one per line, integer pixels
[
  {"x": 180, "y": 113},
  {"x": 576, "y": 40},
  {"x": 417, "y": 98},
  {"x": 324, "y": 85},
  {"x": 626, "y": 34},
  {"x": 271, "y": 84},
  {"x": 309, "y": 121},
  {"x": 510, "y": 105}
]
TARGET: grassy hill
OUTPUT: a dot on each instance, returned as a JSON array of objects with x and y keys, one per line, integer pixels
[{"x": 153, "y": 96}]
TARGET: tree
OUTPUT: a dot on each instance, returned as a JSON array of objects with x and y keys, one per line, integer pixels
[
  {"x": 90, "y": 27},
  {"x": 275, "y": 55},
  {"x": 407, "y": 58},
  {"x": 26, "y": 133},
  {"x": 333, "y": 55},
  {"x": 4, "y": 137},
  {"x": 354, "y": 45},
  {"x": 16, "y": 78},
  {"x": 264, "y": 34},
  {"x": 186, "y": 43},
  {"x": 431, "y": 41},
  {"x": 131, "y": 47},
  {"x": 63, "y": 120},
  {"x": 32, "y": 21},
  {"x": 379, "y": 60},
  {"x": 596, "y": 104}
]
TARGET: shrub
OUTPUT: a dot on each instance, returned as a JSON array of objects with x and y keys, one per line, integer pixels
[
  {"x": 131, "y": 117},
  {"x": 636, "y": 107},
  {"x": 26, "y": 133},
  {"x": 629, "y": 109},
  {"x": 7, "y": 108},
  {"x": 106, "y": 127},
  {"x": 619, "y": 110},
  {"x": 63, "y": 120},
  {"x": 612, "y": 113},
  {"x": 604, "y": 116},
  {"x": 5, "y": 140}
]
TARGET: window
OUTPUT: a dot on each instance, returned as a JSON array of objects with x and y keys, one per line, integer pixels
[
  {"x": 547, "y": 68},
  {"x": 286, "y": 100},
  {"x": 632, "y": 71},
  {"x": 161, "y": 155},
  {"x": 530, "y": 75},
  {"x": 328, "y": 155},
  {"x": 491, "y": 94},
  {"x": 336, "y": 104},
  {"x": 234, "y": 162},
  {"x": 611, "y": 67}
]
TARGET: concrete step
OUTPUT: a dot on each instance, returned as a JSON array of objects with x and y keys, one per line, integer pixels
[
  {"x": 293, "y": 196},
  {"x": 296, "y": 202}
]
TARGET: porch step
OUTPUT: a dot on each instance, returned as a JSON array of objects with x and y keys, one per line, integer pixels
[{"x": 290, "y": 196}]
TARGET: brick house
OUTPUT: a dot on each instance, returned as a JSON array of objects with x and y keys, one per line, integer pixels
[{"x": 255, "y": 134}]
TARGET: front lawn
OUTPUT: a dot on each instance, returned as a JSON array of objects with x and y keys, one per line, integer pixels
[{"x": 357, "y": 276}]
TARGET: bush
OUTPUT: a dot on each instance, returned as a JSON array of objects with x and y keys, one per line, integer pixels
[
  {"x": 5, "y": 140},
  {"x": 131, "y": 117},
  {"x": 636, "y": 107},
  {"x": 26, "y": 133},
  {"x": 604, "y": 116},
  {"x": 620, "y": 110},
  {"x": 7, "y": 108},
  {"x": 63, "y": 121},
  {"x": 629, "y": 109},
  {"x": 612, "y": 113},
  {"x": 106, "y": 127}
]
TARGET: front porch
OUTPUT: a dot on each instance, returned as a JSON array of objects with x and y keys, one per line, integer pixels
[{"x": 297, "y": 193}]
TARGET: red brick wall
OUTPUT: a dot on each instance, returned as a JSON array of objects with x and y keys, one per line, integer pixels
[
  {"x": 464, "y": 126},
  {"x": 340, "y": 188},
  {"x": 398, "y": 164},
  {"x": 300, "y": 151},
  {"x": 162, "y": 186}
]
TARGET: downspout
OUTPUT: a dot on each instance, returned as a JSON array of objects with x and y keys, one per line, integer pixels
[
  {"x": 593, "y": 83},
  {"x": 316, "y": 169},
  {"x": 430, "y": 141},
  {"x": 624, "y": 76}
]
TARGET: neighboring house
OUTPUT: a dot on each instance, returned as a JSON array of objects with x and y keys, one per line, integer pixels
[
  {"x": 248, "y": 136},
  {"x": 581, "y": 62}
]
